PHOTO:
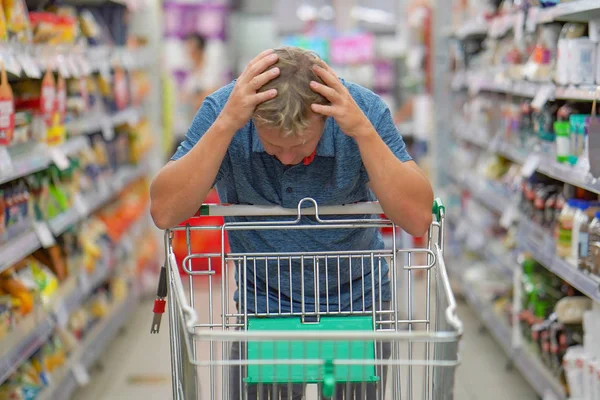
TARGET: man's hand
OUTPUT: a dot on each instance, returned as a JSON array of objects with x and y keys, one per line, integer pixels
[
  {"x": 350, "y": 118},
  {"x": 245, "y": 95}
]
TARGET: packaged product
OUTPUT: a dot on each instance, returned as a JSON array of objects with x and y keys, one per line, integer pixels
[
  {"x": 7, "y": 111},
  {"x": 53, "y": 29},
  {"x": 593, "y": 258},
  {"x": 17, "y": 20}
]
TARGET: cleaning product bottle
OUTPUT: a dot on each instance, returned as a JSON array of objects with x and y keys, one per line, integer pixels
[
  {"x": 579, "y": 220},
  {"x": 565, "y": 229},
  {"x": 593, "y": 237},
  {"x": 561, "y": 131},
  {"x": 584, "y": 240}
]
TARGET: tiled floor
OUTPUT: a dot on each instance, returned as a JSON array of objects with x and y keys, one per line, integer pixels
[{"x": 137, "y": 366}]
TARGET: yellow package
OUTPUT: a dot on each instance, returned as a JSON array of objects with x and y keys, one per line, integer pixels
[
  {"x": 3, "y": 29},
  {"x": 17, "y": 20}
]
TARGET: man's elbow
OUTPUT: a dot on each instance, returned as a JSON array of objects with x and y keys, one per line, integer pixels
[
  {"x": 419, "y": 224},
  {"x": 160, "y": 216}
]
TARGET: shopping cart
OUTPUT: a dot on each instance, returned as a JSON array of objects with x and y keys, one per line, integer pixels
[{"x": 385, "y": 345}]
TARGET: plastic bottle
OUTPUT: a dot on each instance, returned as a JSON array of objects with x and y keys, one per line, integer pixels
[
  {"x": 583, "y": 242},
  {"x": 594, "y": 237},
  {"x": 7, "y": 110},
  {"x": 565, "y": 229},
  {"x": 561, "y": 131},
  {"x": 579, "y": 220}
]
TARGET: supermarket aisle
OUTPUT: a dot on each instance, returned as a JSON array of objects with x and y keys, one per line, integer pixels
[{"x": 136, "y": 366}]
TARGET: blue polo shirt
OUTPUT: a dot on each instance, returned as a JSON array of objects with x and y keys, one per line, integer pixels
[{"x": 336, "y": 175}]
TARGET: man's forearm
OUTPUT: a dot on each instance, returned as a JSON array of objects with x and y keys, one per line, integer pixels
[
  {"x": 403, "y": 191},
  {"x": 180, "y": 187}
]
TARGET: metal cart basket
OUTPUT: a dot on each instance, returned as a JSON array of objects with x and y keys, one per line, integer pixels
[{"x": 349, "y": 324}]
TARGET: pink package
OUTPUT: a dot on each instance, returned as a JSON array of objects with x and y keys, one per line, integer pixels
[{"x": 356, "y": 49}]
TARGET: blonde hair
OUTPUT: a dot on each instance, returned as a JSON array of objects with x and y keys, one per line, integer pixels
[{"x": 289, "y": 111}]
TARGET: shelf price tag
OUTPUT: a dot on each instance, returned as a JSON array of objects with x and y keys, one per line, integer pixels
[
  {"x": 59, "y": 158},
  {"x": 108, "y": 129},
  {"x": 80, "y": 205},
  {"x": 6, "y": 165},
  {"x": 531, "y": 164},
  {"x": 30, "y": 67},
  {"x": 81, "y": 375},
  {"x": 509, "y": 216},
  {"x": 542, "y": 96},
  {"x": 42, "y": 230}
]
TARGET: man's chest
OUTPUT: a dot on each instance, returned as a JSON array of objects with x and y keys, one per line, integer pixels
[{"x": 261, "y": 179}]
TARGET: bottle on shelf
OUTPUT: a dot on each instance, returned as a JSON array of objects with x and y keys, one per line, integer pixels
[
  {"x": 565, "y": 229},
  {"x": 579, "y": 220},
  {"x": 593, "y": 258}
]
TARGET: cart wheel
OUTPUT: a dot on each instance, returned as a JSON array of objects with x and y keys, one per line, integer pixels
[
  {"x": 510, "y": 366},
  {"x": 482, "y": 330}
]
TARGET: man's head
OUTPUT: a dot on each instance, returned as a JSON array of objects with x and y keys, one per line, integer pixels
[
  {"x": 286, "y": 125},
  {"x": 195, "y": 45}
]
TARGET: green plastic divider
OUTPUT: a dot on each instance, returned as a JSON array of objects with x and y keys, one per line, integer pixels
[{"x": 310, "y": 350}]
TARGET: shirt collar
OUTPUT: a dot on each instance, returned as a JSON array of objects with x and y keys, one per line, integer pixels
[{"x": 325, "y": 148}]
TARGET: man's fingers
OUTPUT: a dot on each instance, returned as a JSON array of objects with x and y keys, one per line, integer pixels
[
  {"x": 326, "y": 66},
  {"x": 260, "y": 80},
  {"x": 329, "y": 78},
  {"x": 260, "y": 66},
  {"x": 329, "y": 93},
  {"x": 264, "y": 96},
  {"x": 328, "y": 111}
]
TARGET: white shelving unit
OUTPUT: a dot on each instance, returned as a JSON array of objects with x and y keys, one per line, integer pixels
[
  {"x": 91, "y": 349},
  {"x": 19, "y": 345},
  {"x": 540, "y": 244},
  {"x": 538, "y": 376},
  {"x": 36, "y": 329},
  {"x": 20, "y": 247},
  {"x": 574, "y": 11}
]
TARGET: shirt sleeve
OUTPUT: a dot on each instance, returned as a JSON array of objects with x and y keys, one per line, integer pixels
[
  {"x": 202, "y": 122},
  {"x": 384, "y": 125}
]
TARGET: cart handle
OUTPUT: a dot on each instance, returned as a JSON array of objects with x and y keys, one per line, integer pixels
[
  {"x": 438, "y": 209},
  {"x": 246, "y": 210}
]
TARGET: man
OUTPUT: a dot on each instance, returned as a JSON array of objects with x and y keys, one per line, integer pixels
[{"x": 286, "y": 129}]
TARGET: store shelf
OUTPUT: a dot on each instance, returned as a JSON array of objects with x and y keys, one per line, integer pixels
[
  {"x": 16, "y": 249},
  {"x": 72, "y": 60},
  {"x": 477, "y": 27},
  {"x": 477, "y": 81},
  {"x": 494, "y": 198},
  {"x": 91, "y": 349},
  {"x": 538, "y": 376},
  {"x": 61, "y": 223},
  {"x": 540, "y": 244},
  {"x": 497, "y": 328},
  {"x": 547, "y": 165},
  {"x": 97, "y": 121},
  {"x": 19, "y": 345},
  {"x": 574, "y": 11},
  {"x": 528, "y": 364},
  {"x": 28, "y": 159},
  {"x": 36, "y": 329}
]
